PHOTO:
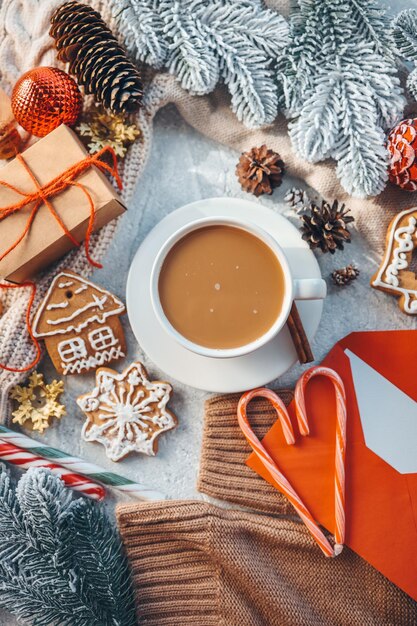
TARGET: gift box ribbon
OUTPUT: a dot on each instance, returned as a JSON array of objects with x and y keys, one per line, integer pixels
[{"x": 41, "y": 196}]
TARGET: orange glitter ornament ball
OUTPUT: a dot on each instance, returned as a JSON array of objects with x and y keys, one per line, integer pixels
[{"x": 44, "y": 98}]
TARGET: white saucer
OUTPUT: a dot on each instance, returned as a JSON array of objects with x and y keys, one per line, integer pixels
[{"x": 219, "y": 375}]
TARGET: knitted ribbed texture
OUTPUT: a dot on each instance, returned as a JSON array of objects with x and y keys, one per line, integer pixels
[
  {"x": 223, "y": 473},
  {"x": 195, "y": 564},
  {"x": 25, "y": 43}
]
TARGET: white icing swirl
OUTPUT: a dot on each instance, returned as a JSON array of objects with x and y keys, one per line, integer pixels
[{"x": 404, "y": 238}]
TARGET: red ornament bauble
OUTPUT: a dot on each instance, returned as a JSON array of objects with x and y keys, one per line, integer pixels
[
  {"x": 402, "y": 148},
  {"x": 44, "y": 98}
]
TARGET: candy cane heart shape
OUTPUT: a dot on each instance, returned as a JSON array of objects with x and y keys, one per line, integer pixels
[
  {"x": 278, "y": 478},
  {"x": 340, "y": 449}
]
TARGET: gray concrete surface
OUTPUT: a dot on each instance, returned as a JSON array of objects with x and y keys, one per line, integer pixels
[{"x": 184, "y": 167}]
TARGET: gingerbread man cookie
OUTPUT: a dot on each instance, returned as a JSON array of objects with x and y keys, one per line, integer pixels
[
  {"x": 80, "y": 325},
  {"x": 126, "y": 412},
  {"x": 394, "y": 275}
]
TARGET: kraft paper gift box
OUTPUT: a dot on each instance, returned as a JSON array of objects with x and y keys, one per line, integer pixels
[
  {"x": 46, "y": 241},
  {"x": 378, "y": 371}
]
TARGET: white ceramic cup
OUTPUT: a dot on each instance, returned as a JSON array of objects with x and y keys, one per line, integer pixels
[{"x": 295, "y": 288}]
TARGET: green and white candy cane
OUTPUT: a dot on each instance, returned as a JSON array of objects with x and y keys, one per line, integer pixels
[{"x": 91, "y": 470}]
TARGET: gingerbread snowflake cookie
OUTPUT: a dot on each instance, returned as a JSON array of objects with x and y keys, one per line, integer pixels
[
  {"x": 126, "y": 412},
  {"x": 80, "y": 325},
  {"x": 394, "y": 274}
]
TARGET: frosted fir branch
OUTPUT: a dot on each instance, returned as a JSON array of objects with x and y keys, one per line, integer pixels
[
  {"x": 404, "y": 32},
  {"x": 92, "y": 546},
  {"x": 141, "y": 25},
  {"x": 361, "y": 154},
  {"x": 31, "y": 606},
  {"x": 190, "y": 57},
  {"x": 307, "y": 50},
  {"x": 314, "y": 132},
  {"x": 61, "y": 563},
  {"x": 349, "y": 91},
  {"x": 249, "y": 76},
  {"x": 31, "y": 569},
  {"x": 256, "y": 25},
  {"x": 201, "y": 43},
  {"x": 412, "y": 83},
  {"x": 41, "y": 497},
  {"x": 373, "y": 26},
  {"x": 254, "y": 95}
]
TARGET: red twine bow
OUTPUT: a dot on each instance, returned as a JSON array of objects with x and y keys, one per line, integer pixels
[{"x": 41, "y": 196}]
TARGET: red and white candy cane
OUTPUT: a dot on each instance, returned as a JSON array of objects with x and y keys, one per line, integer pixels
[
  {"x": 24, "y": 459},
  {"x": 340, "y": 451},
  {"x": 278, "y": 478},
  {"x": 279, "y": 407}
]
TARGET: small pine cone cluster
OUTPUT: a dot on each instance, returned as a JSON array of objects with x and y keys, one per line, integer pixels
[
  {"x": 260, "y": 170},
  {"x": 325, "y": 226},
  {"x": 95, "y": 57},
  {"x": 345, "y": 275},
  {"x": 297, "y": 199}
]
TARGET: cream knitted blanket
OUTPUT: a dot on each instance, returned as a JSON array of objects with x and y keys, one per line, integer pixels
[{"x": 25, "y": 43}]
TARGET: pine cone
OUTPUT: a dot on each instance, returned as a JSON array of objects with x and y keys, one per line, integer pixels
[
  {"x": 260, "y": 170},
  {"x": 345, "y": 275},
  {"x": 325, "y": 226},
  {"x": 401, "y": 144},
  {"x": 95, "y": 57},
  {"x": 297, "y": 199}
]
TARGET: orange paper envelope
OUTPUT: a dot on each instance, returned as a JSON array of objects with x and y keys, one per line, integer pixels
[{"x": 379, "y": 373}]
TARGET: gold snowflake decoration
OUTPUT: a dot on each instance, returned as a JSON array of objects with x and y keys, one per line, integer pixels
[
  {"x": 108, "y": 129},
  {"x": 37, "y": 402}
]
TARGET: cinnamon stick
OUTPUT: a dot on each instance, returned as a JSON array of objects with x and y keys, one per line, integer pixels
[{"x": 299, "y": 336}]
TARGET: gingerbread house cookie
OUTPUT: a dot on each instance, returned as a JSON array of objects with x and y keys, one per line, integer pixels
[
  {"x": 394, "y": 274},
  {"x": 126, "y": 412},
  {"x": 80, "y": 325}
]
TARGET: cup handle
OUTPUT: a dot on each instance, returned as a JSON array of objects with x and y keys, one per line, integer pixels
[{"x": 309, "y": 289}]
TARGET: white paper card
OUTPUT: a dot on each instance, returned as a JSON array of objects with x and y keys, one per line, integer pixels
[{"x": 388, "y": 416}]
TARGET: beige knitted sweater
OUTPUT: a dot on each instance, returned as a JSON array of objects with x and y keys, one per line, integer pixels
[{"x": 196, "y": 564}]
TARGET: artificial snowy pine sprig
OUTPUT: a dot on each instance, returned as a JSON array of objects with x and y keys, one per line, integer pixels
[
  {"x": 201, "y": 43},
  {"x": 404, "y": 31},
  {"x": 61, "y": 562},
  {"x": 340, "y": 86}
]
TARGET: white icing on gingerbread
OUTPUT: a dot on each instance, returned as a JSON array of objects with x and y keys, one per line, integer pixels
[
  {"x": 404, "y": 237},
  {"x": 58, "y": 305},
  {"x": 65, "y": 325},
  {"x": 97, "y": 302},
  {"x": 101, "y": 338},
  {"x": 72, "y": 349},
  {"x": 131, "y": 411},
  {"x": 74, "y": 355},
  {"x": 401, "y": 241},
  {"x": 93, "y": 361}
]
